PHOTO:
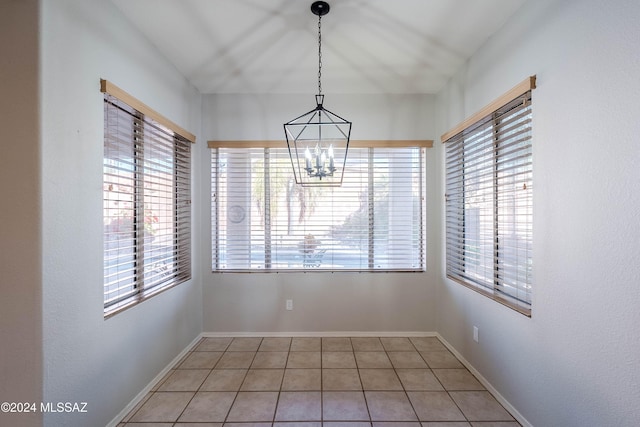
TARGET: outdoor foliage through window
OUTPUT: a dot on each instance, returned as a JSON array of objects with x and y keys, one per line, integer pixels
[
  {"x": 146, "y": 206},
  {"x": 262, "y": 220}
]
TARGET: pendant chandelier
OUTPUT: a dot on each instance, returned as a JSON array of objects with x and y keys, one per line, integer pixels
[{"x": 318, "y": 141}]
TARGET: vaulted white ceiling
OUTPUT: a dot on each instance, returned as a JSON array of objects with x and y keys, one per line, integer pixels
[{"x": 271, "y": 46}]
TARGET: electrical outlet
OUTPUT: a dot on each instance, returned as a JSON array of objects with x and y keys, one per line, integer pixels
[
  {"x": 475, "y": 333},
  {"x": 289, "y": 304}
]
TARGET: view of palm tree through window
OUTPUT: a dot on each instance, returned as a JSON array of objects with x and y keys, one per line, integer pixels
[{"x": 262, "y": 220}]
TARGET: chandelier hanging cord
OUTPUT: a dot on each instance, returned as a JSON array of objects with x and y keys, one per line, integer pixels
[
  {"x": 318, "y": 140},
  {"x": 319, "y": 54},
  {"x": 320, "y": 8}
]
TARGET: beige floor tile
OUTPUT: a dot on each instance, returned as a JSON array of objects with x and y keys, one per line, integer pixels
[
  {"x": 495, "y": 424},
  {"x": 275, "y": 344},
  {"x": 224, "y": 380},
  {"x": 163, "y": 406},
  {"x": 441, "y": 359},
  {"x": 336, "y": 344},
  {"x": 139, "y": 405},
  {"x": 379, "y": 379},
  {"x": 338, "y": 359},
  {"x": 263, "y": 380},
  {"x": 245, "y": 344},
  {"x": 197, "y": 343},
  {"x": 446, "y": 424},
  {"x": 241, "y": 425},
  {"x": 434, "y": 406},
  {"x": 299, "y": 406},
  {"x": 406, "y": 359},
  {"x": 344, "y": 406},
  {"x": 396, "y": 424},
  {"x": 179, "y": 362},
  {"x": 322, "y": 386},
  {"x": 480, "y": 406},
  {"x": 302, "y": 380},
  {"x": 146, "y": 425},
  {"x": 201, "y": 360},
  {"x": 254, "y": 406},
  {"x": 235, "y": 360},
  {"x": 428, "y": 344},
  {"x": 304, "y": 359},
  {"x": 366, "y": 344},
  {"x": 306, "y": 344},
  {"x": 397, "y": 344},
  {"x": 347, "y": 424},
  {"x": 419, "y": 380},
  {"x": 198, "y": 425},
  {"x": 372, "y": 359},
  {"x": 164, "y": 378},
  {"x": 293, "y": 424},
  {"x": 457, "y": 379},
  {"x": 208, "y": 406},
  {"x": 389, "y": 406},
  {"x": 185, "y": 380},
  {"x": 341, "y": 380},
  {"x": 213, "y": 344},
  {"x": 270, "y": 360}
]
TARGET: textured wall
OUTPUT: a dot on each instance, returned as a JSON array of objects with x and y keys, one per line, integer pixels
[
  {"x": 322, "y": 301},
  {"x": 575, "y": 362},
  {"x": 105, "y": 363}
]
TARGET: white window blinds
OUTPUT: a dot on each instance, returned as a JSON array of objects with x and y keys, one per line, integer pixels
[
  {"x": 489, "y": 204},
  {"x": 262, "y": 220},
  {"x": 146, "y": 207}
]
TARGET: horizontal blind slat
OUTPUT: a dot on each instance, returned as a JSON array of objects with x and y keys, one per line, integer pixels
[
  {"x": 146, "y": 214},
  {"x": 329, "y": 225},
  {"x": 488, "y": 212}
]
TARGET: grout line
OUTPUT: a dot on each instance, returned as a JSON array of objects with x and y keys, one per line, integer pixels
[
  {"x": 190, "y": 350},
  {"x": 226, "y": 417},
  {"x": 364, "y": 395},
  {"x": 403, "y": 386},
  {"x": 147, "y": 390},
  {"x": 321, "y": 387},
  {"x": 490, "y": 388},
  {"x": 284, "y": 372}
]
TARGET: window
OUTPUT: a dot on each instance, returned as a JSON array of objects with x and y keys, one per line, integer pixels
[
  {"x": 146, "y": 205},
  {"x": 263, "y": 221},
  {"x": 489, "y": 202}
]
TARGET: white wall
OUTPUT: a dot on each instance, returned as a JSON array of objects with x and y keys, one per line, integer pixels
[
  {"x": 576, "y": 361},
  {"x": 20, "y": 233},
  {"x": 105, "y": 363},
  {"x": 322, "y": 301}
]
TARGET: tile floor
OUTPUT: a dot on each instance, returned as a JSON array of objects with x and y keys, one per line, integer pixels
[{"x": 315, "y": 382}]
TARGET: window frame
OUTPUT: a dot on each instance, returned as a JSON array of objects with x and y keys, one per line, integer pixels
[
  {"x": 266, "y": 145},
  {"x": 491, "y": 120},
  {"x": 131, "y": 125}
]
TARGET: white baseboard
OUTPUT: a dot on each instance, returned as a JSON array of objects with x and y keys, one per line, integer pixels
[
  {"x": 119, "y": 418},
  {"x": 504, "y": 402},
  {"x": 319, "y": 334}
]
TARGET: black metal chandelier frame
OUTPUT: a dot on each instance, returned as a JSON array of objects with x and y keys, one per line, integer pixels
[{"x": 318, "y": 140}]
